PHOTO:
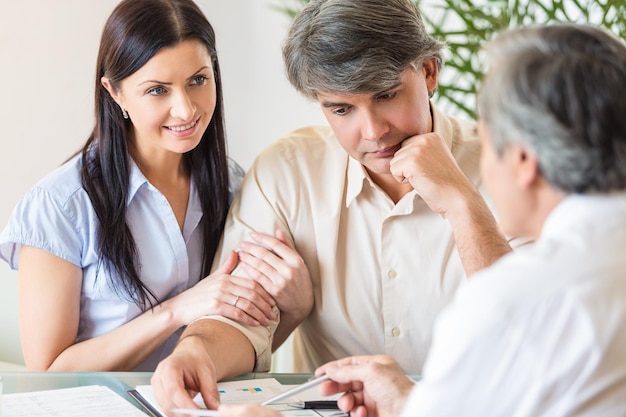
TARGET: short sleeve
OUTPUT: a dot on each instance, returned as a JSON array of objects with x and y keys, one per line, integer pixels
[{"x": 42, "y": 221}]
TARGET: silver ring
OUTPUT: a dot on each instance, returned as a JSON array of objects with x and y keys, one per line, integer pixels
[{"x": 236, "y": 299}]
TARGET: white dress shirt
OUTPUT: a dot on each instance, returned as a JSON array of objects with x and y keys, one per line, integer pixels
[
  {"x": 381, "y": 271},
  {"x": 541, "y": 332}
]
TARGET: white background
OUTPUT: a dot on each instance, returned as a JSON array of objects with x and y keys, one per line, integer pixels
[{"x": 47, "y": 67}]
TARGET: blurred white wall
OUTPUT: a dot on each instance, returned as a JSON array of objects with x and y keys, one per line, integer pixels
[{"x": 47, "y": 65}]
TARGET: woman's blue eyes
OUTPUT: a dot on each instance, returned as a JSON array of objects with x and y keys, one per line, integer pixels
[
  {"x": 160, "y": 90},
  {"x": 156, "y": 91},
  {"x": 199, "y": 79}
]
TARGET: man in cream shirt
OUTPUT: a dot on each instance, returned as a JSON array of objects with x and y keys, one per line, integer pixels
[
  {"x": 365, "y": 201},
  {"x": 384, "y": 206}
]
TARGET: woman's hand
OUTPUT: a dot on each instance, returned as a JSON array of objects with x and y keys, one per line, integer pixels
[
  {"x": 237, "y": 298},
  {"x": 278, "y": 267}
]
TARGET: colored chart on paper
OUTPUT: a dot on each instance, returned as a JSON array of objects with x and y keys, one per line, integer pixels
[{"x": 244, "y": 392}]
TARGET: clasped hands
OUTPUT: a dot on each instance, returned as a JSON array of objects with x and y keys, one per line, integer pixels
[{"x": 276, "y": 277}]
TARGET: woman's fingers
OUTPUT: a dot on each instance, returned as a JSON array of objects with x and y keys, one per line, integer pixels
[
  {"x": 245, "y": 300},
  {"x": 288, "y": 281}
]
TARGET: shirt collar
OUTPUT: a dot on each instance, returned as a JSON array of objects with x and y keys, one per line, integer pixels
[
  {"x": 136, "y": 181},
  {"x": 442, "y": 125},
  {"x": 194, "y": 208},
  {"x": 356, "y": 174},
  {"x": 356, "y": 177},
  {"x": 576, "y": 210}
]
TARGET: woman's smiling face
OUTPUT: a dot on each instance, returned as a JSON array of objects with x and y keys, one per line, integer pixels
[{"x": 170, "y": 100}]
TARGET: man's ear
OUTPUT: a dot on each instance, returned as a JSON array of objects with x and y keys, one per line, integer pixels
[
  {"x": 112, "y": 91},
  {"x": 527, "y": 166},
  {"x": 431, "y": 73}
]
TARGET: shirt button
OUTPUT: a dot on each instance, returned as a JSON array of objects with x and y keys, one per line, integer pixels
[
  {"x": 395, "y": 332},
  {"x": 392, "y": 274}
]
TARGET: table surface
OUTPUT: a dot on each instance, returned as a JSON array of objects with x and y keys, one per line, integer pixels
[{"x": 120, "y": 382}]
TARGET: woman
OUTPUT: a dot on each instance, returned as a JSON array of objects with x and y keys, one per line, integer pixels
[{"x": 111, "y": 247}]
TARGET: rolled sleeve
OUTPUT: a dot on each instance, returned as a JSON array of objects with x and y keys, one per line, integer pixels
[{"x": 259, "y": 336}]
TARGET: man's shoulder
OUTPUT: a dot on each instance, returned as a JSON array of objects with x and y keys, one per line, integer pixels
[
  {"x": 538, "y": 274},
  {"x": 310, "y": 146},
  {"x": 454, "y": 128},
  {"x": 461, "y": 137},
  {"x": 306, "y": 139},
  {"x": 465, "y": 141}
]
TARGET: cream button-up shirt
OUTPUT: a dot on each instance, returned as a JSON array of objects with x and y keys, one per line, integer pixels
[{"x": 381, "y": 271}]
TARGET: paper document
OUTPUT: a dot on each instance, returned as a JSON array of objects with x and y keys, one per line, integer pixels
[
  {"x": 91, "y": 400},
  {"x": 242, "y": 392}
]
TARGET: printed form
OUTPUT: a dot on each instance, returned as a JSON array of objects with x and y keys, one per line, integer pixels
[{"x": 92, "y": 400}]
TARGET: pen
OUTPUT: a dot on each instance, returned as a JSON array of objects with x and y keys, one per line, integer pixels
[
  {"x": 196, "y": 412},
  {"x": 297, "y": 389},
  {"x": 316, "y": 404}
]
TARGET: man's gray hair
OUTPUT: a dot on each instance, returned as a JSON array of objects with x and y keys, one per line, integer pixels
[
  {"x": 356, "y": 46},
  {"x": 560, "y": 90}
]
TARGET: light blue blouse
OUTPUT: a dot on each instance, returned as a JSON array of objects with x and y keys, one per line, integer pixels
[{"x": 56, "y": 215}]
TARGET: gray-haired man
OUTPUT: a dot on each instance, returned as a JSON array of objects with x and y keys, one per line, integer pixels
[{"x": 383, "y": 206}]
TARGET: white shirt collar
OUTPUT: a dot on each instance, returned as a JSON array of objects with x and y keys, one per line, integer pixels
[{"x": 575, "y": 209}]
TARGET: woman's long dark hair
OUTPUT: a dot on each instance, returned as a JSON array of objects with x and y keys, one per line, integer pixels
[{"x": 134, "y": 33}]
